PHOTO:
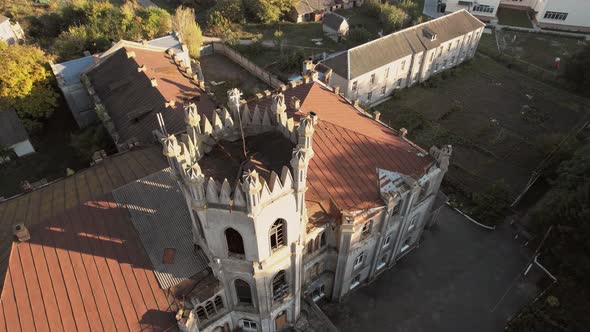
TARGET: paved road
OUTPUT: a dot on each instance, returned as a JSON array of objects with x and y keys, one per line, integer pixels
[{"x": 452, "y": 282}]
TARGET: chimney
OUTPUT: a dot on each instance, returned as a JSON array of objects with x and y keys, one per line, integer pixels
[
  {"x": 96, "y": 58},
  {"x": 376, "y": 115},
  {"x": 259, "y": 96},
  {"x": 295, "y": 103},
  {"x": 21, "y": 232},
  {"x": 314, "y": 117},
  {"x": 403, "y": 132},
  {"x": 144, "y": 42},
  {"x": 355, "y": 102},
  {"x": 141, "y": 68},
  {"x": 154, "y": 82},
  {"x": 282, "y": 87},
  {"x": 306, "y": 79},
  {"x": 130, "y": 54},
  {"x": 292, "y": 84},
  {"x": 307, "y": 66},
  {"x": 337, "y": 90},
  {"x": 315, "y": 76},
  {"x": 267, "y": 93}
]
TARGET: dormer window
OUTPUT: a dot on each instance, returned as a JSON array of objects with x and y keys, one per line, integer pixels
[{"x": 429, "y": 33}]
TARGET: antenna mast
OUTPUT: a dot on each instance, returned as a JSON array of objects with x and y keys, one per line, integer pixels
[{"x": 237, "y": 94}]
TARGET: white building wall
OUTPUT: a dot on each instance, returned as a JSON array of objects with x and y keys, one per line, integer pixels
[
  {"x": 453, "y": 6},
  {"x": 578, "y": 12},
  {"x": 520, "y": 3}
]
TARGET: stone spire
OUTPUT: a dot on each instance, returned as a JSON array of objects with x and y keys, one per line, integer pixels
[
  {"x": 278, "y": 107},
  {"x": 172, "y": 151},
  {"x": 302, "y": 155},
  {"x": 442, "y": 156},
  {"x": 195, "y": 180},
  {"x": 252, "y": 187}
]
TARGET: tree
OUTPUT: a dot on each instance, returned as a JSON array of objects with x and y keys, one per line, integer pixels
[
  {"x": 392, "y": 17},
  {"x": 268, "y": 11},
  {"x": 25, "y": 82},
  {"x": 577, "y": 70},
  {"x": 155, "y": 22},
  {"x": 492, "y": 205},
  {"x": 184, "y": 23},
  {"x": 358, "y": 36}
]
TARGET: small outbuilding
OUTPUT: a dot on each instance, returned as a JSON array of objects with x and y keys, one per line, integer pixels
[
  {"x": 11, "y": 33},
  {"x": 335, "y": 26},
  {"x": 13, "y": 134}
]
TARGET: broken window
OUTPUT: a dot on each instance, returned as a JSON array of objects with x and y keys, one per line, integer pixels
[
  {"x": 323, "y": 239},
  {"x": 310, "y": 247},
  {"x": 235, "y": 243},
  {"x": 366, "y": 231},
  {"x": 279, "y": 286},
  {"x": 210, "y": 308},
  {"x": 218, "y": 303},
  {"x": 413, "y": 222},
  {"x": 277, "y": 235},
  {"x": 359, "y": 260},
  {"x": 201, "y": 314},
  {"x": 243, "y": 292},
  {"x": 387, "y": 240}
]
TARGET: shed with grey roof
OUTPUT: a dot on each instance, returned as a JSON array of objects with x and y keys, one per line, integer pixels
[{"x": 13, "y": 134}]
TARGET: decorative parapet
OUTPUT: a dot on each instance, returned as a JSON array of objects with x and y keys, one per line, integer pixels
[{"x": 251, "y": 192}]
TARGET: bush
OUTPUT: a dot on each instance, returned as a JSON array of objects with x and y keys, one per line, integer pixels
[
  {"x": 232, "y": 10},
  {"x": 184, "y": 22},
  {"x": 493, "y": 204},
  {"x": 90, "y": 140},
  {"x": 268, "y": 11},
  {"x": 358, "y": 36}
]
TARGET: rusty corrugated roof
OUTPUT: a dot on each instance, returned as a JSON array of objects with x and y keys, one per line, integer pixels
[
  {"x": 349, "y": 146},
  {"x": 83, "y": 267}
]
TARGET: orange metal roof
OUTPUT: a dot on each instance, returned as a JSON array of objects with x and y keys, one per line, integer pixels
[
  {"x": 84, "y": 267},
  {"x": 349, "y": 146}
]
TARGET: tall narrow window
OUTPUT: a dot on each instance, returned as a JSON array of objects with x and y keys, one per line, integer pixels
[
  {"x": 310, "y": 247},
  {"x": 413, "y": 222},
  {"x": 383, "y": 89},
  {"x": 366, "y": 231},
  {"x": 372, "y": 78},
  {"x": 243, "y": 292},
  {"x": 369, "y": 95},
  {"x": 210, "y": 308},
  {"x": 358, "y": 262},
  {"x": 323, "y": 239},
  {"x": 403, "y": 64},
  {"x": 279, "y": 286},
  {"x": 218, "y": 303},
  {"x": 235, "y": 244},
  {"x": 277, "y": 235},
  {"x": 387, "y": 72},
  {"x": 201, "y": 313},
  {"x": 354, "y": 85}
]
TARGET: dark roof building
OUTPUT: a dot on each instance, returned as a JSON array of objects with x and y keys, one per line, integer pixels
[
  {"x": 132, "y": 85},
  {"x": 13, "y": 134}
]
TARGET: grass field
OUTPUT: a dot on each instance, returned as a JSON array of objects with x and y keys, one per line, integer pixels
[
  {"x": 514, "y": 17},
  {"x": 538, "y": 49},
  {"x": 500, "y": 122}
]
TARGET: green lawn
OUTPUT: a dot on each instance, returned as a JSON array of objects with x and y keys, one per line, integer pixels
[
  {"x": 501, "y": 123},
  {"x": 539, "y": 49},
  {"x": 514, "y": 17},
  {"x": 296, "y": 34},
  {"x": 358, "y": 17}
]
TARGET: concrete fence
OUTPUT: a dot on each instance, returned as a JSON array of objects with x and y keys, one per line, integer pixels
[{"x": 250, "y": 66}]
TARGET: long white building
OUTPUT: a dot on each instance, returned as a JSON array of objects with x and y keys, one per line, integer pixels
[{"x": 372, "y": 71}]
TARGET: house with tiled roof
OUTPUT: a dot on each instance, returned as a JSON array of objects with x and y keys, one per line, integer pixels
[
  {"x": 297, "y": 194},
  {"x": 372, "y": 71},
  {"x": 314, "y": 10},
  {"x": 69, "y": 73},
  {"x": 13, "y": 135}
]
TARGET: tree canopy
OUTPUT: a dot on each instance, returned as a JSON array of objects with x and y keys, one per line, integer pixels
[
  {"x": 25, "y": 82},
  {"x": 577, "y": 70},
  {"x": 184, "y": 23},
  {"x": 268, "y": 11},
  {"x": 566, "y": 253}
]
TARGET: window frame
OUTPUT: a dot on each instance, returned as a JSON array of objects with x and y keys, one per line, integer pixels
[
  {"x": 280, "y": 286},
  {"x": 277, "y": 231},
  {"x": 356, "y": 280},
  {"x": 359, "y": 260},
  {"x": 238, "y": 297},
  {"x": 387, "y": 241}
]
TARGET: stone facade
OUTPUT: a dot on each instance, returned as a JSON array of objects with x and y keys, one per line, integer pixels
[{"x": 266, "y": 245}]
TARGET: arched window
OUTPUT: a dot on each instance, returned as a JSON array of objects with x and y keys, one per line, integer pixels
[
  {"x": 317, "y": 242},
  {"x": 323, "y": 239},
  {"x": 209, "y": 308},
  {"x": 218, "y": 303},
  {"x": 235, "y": 244},
  {"x": 201, "y": 313},
  {"x": 243, "y": 292},
  {"x": 310, "y": 247},
  {"x": 366, "y": 230},
  {"x": 279, "y": 286},
  {"x": 277, "y": 235}
]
